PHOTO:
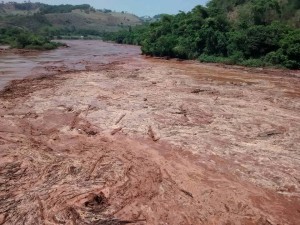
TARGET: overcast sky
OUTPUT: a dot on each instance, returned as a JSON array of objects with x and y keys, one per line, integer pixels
[{"x": 138, "y": 7}]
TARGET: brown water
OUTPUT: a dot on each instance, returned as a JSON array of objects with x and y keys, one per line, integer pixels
[
  {"x": 79, "y": 54},
  {"x": 146, "y": 141}
]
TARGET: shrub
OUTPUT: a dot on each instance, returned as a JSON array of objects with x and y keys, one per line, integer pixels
[{"x": 253, "y": 63}]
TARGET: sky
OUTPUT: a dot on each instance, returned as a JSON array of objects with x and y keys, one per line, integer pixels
[{"x": 138, "y": 7}]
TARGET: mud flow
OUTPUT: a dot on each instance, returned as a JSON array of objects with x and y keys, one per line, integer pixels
[
  {"x": 17, "y": 64},
  {"x": 98, "y": 134}
]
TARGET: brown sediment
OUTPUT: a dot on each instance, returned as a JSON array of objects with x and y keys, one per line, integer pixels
[
  {"x": 149, "y": 141},
  {"x": 17, "y": 51}
]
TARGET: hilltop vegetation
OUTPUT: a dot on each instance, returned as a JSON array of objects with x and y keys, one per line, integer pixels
[{"x": 245, "y": 32}]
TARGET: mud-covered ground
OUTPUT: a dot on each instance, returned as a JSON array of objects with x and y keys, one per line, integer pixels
[{"x": 149, "y": 141}]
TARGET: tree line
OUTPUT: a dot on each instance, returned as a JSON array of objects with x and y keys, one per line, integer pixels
[
  {"x": 245, "y": 32},
  {"x": 23, "y": 39}
]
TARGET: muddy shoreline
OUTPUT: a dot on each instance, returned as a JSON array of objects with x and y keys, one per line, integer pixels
[{"x": 149, "y": 141}]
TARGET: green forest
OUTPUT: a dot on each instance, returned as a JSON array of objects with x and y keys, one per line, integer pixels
[
  {"x": 244, "y": 32},
  {"x": 19, "y": 38}
]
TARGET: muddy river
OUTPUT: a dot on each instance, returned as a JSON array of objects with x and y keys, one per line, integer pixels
[
  {"x": 99, "y": 134},
  {"x": 19, "y": 65}
]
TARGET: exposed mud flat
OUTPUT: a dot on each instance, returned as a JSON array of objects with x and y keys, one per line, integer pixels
[{"x": 147, "y": 141}]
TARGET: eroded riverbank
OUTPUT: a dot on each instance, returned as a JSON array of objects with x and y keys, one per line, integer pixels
[{"x": 149, "y": 141}]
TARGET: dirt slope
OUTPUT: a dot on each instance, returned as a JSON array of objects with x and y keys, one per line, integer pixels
[
  {"x": 98, "y": 21},
  {"x": 148, "y": 141}
]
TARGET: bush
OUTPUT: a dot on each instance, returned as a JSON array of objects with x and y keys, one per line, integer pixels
[
  {"x": 215, "y": 59},
  {"x": 253, "y": 63},
  {"x": 276, "y": 58},
  {"x": 290, "y": 48}
]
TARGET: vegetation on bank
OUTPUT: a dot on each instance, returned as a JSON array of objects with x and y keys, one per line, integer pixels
[
  {"x": 18, "y": 38},
  {"x": 245, "y": 32}
]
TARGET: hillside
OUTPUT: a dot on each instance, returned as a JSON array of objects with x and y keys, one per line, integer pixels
[
  {"x": 98, "y": 21},
  {"x": 63, "y": 19}
]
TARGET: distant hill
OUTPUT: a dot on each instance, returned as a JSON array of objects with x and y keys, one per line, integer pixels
[{"x": 64, "y": 18}]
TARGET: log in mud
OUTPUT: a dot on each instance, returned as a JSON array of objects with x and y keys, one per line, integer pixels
[{"x": 134, "y": 140}]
